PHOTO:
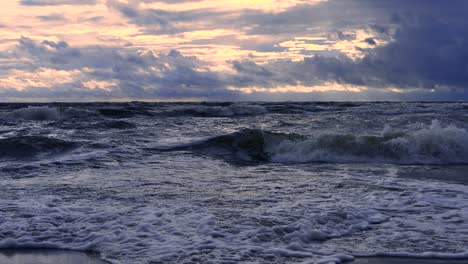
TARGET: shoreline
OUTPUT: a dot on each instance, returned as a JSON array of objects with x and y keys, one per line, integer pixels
[{"x": 47, "y": 256}]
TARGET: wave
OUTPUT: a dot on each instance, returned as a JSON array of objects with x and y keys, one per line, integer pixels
[
  {"x": 30, "y": 146},
  {"x": 246, "y": 144},
  {"x": 431, "y": 145},
  {"x": 48, "y": 113},
  {"x": 34, "y": 113},
  {"x": 43, "y": 113},
  {"x": 230, "y": 110},
  {"x": 114, "y": 125},
  {"x": 100, "y": 125},
  {"x": 252, "y": 108},
  {"x": 116, "y": 113},
  {"x": 60, "y": 112},
  {"x": 434, "y": 144},
  {"x": 124, "y": 112}
]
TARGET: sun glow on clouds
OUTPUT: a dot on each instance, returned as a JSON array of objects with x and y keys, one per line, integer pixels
[
  {"x": 285, "y": 46},
  {"x": 102, "y": 85},
  {"x": 300, "y": 88},
  {"x": 78, "y": 24},
  {"x": 21, "y": 80},
  {"x": 227, "y": 5},
  {"x": 353, "y": 47},
  {"x": 42, "y": 78}
]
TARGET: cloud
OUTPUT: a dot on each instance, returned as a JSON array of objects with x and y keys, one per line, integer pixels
[
  {"x": 108, "y": 72},
  {"x": 427, "y": 51},
  {"x": 258, "y": 30},
  {"x": 370, "y": 41},
  {"x": 52, "y": 17},
  {"x": 211, "y": 49},
  {"x": 57, "y": 2},
  {"x": 159, "y": 21}
]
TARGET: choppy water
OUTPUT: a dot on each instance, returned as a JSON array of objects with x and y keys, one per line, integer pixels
[{"x": 230, "y": 183}]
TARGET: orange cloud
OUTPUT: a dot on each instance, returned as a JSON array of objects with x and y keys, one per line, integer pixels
[{"x": 299, "y": 88}]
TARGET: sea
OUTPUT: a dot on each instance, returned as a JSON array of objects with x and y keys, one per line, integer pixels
[{"x": 244, "y": 182}]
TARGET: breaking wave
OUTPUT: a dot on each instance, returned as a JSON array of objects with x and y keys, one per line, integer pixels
[
  {"x": 34, "y": 113},
  {"x": 434, "y": 144},
  {"x": 42, "y": 113},
  {"x": 60, "y": 112}
]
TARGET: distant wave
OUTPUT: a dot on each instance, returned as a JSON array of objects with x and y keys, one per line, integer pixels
[
  {"x": 42, "y": 113},
  {"x": 230, "y": 110},
  {"x": 95, "y": 124},
  {"x": 56, "y": 112},
  {"x": 124, "y": 112},
  {"x": 33, "y": 113},
  {"x": 48, "y": 113},
  {"x": 30, "y": 146},
  {"x": 434, "y": 144},
  {"x": 252, "y": 109}
]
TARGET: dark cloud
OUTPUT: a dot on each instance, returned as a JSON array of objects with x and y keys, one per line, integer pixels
[
  {"x": 370, "y": 41},
  {"x": 159, "y": 21},
  {"x": 56, "y": 45},
  {"x": 52, "y": 17},
  {"x": 57, "y": 2},
  {"x": 330, "y": 17},
  {"x": 343, "y": 36},
  {"x": 428, "y": 51},
  {"x": 140, "y": 74}
]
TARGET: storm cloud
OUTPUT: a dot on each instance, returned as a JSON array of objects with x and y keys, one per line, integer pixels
[
  {"x": 427, "y": 50},
  {"x": 216, "y": 51},
  {"x": 116, "y": 72}
]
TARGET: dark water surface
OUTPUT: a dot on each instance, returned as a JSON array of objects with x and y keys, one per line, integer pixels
[{"x": 235, "y": 182}]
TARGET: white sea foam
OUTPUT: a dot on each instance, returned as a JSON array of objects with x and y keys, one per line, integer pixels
[
  {"x": 141, "y": 235},
  {"x": 132, "y": 204},
  {"x": 34, "y": 113},
  {"x": 438, "y": 255},
  {"x": 169, "y": 233},
  {"x": 42, "y": 113},
  {"x": 435, "y": 144},
  {"x": 122, "y": 235},
  {"x": 313, "y": 227}
]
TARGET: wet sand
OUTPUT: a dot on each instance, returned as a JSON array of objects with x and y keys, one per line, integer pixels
[{"x": 47, "y": 256}]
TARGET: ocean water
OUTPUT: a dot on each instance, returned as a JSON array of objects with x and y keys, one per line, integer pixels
[{"x": 236, "y": 182}]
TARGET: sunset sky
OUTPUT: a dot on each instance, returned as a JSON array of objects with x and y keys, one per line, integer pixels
[{"x": 164, "y": 50}]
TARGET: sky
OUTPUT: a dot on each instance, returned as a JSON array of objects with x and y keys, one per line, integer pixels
[{"x": 223, "y": 50}]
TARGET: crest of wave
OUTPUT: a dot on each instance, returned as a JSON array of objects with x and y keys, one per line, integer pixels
[
  {"x": 433, "y": 144},
  {"x": 34, "y": 113},
  {"x": 43, "y": 113}
]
